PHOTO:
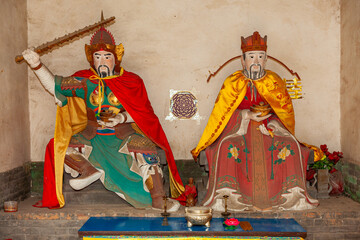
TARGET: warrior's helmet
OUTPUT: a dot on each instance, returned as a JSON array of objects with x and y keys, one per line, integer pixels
[
  {"x": 254, "y": 43},
  {"x": 104, "y": 40}
]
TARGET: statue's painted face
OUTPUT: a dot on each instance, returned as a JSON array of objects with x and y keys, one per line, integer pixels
[
  {"x": 254, "y": 64},
  {"x": 104, "y": 63}
]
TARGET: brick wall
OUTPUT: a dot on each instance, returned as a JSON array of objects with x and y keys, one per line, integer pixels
[
  {"x": 351, "y": 174},
  {"x": 15, "y": 184},
  {"x": 37, "y": 178}
]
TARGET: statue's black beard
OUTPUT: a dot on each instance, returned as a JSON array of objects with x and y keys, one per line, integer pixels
[{"x": 103, "y": 73}]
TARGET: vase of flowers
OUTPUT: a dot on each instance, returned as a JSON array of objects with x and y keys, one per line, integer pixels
[
  {"x": 322, "y": 184},
  {"x": 325, "y": 175}
]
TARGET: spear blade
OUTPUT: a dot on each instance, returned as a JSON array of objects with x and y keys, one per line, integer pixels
[{"x": 46, "y": 47}]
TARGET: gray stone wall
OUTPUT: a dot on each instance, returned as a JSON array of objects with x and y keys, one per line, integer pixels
[
  {"x": 15, "y": 184},
  {"x": 351, "y": 175}
]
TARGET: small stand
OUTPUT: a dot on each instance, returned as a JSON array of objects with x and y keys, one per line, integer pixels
[
  {"x": 225, "y": 214},
  {"x": 165, "y": 214}
]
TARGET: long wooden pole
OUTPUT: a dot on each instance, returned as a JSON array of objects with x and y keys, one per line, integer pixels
[{"x": 66, "y": 38}]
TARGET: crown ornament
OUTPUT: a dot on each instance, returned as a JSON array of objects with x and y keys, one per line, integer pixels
[
  {"x": 102, "y": 36},
  {"x": 254, "y": 43},
  {"x": 103, "y": 40}
]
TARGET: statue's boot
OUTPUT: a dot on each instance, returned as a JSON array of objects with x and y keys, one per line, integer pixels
[
  {"x": 89, "y": 174},
  {"x": 155, "y": 185}
]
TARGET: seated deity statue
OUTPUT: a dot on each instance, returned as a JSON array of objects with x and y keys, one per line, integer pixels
[
  {"x": 105, "y": 130},
  {"x": 190, "y": 193},
  {"x": 252, "y": 153}
]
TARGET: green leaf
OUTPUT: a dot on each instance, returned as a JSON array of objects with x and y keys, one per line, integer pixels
[
  {"x": 279, "y": 161},
  {"x": 229, "y": 155},
  {"x": 292, "y": 152},
  {"x": 230, "y": 146},
  {"x": 231, "y": 228},
  {"x": 322, "y": 164}
]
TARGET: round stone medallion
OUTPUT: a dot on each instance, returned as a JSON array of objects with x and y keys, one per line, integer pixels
[{"x": 183, "y": 105}]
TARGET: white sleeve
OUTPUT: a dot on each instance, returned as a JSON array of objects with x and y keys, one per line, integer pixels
[{"x": 48, "y": 81}]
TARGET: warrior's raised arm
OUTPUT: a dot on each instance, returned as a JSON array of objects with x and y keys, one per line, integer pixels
[{"x": 45, "y": 76}]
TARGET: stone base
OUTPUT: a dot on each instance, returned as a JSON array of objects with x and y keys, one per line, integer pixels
[
  {"x": 335, "y": 218},
  {"x": 94, "y": 194}
]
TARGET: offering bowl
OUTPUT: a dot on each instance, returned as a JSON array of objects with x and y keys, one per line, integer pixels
[
  {"x": 198, "y": 216},
  {"x": 10, "y": 206},
  {"x": 106, "y": 114},
  {"x": 263, "y": 108}
]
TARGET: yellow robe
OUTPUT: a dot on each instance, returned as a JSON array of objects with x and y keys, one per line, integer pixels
[
  {"x": 70, "y": 119},
  {"x": 271, "y": 87}
]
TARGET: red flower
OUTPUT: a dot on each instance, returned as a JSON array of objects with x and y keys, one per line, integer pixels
[
  {"x": 231, "y": 222},
  {"x": 339, "y": 154},
  {"x": 324, "y": 148},
  {"x": 329, "y": 161},
  {"x": 333, "y": 157}
]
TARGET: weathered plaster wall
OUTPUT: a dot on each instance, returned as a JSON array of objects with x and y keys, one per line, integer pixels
[
  {"x": 14, "y": 107},
  {"x": 173, "y": 45},
  {"x": 350, "y": 80}
]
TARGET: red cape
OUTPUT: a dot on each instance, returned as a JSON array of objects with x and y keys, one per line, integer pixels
[
  {"x": 49, "y": 198},
  {"x": 130, "y": 90}
]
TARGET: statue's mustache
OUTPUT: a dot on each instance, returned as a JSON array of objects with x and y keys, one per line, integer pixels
[{"x": 103, "y": 73}]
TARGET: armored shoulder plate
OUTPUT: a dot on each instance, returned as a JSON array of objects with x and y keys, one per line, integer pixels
[{"x": 71, "y": 83}]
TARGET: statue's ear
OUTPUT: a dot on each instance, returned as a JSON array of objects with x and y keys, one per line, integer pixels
[
  {"x": 88, "y": 53},
  {"x": 243, "y": 60},
  {"x": 119, "y": 50},
  {"x": 266, "y": 58}
]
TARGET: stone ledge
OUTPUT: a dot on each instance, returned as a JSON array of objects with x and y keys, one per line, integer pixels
[{"x": 335, "y": 218}]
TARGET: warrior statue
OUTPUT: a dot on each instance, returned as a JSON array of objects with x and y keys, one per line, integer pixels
[
  {"x": 105, "y": 129},
  {"x": 249, "y": 141}
]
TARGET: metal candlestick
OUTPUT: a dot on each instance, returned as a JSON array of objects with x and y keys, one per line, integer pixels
[
  {"x": 225, "y": 214},
  {"x": 165, "y": 214}
]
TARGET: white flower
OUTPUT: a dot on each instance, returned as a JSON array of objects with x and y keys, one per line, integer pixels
[
  {"x": 284, "y": 153},
  {"x": 234, "y": 152}
]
